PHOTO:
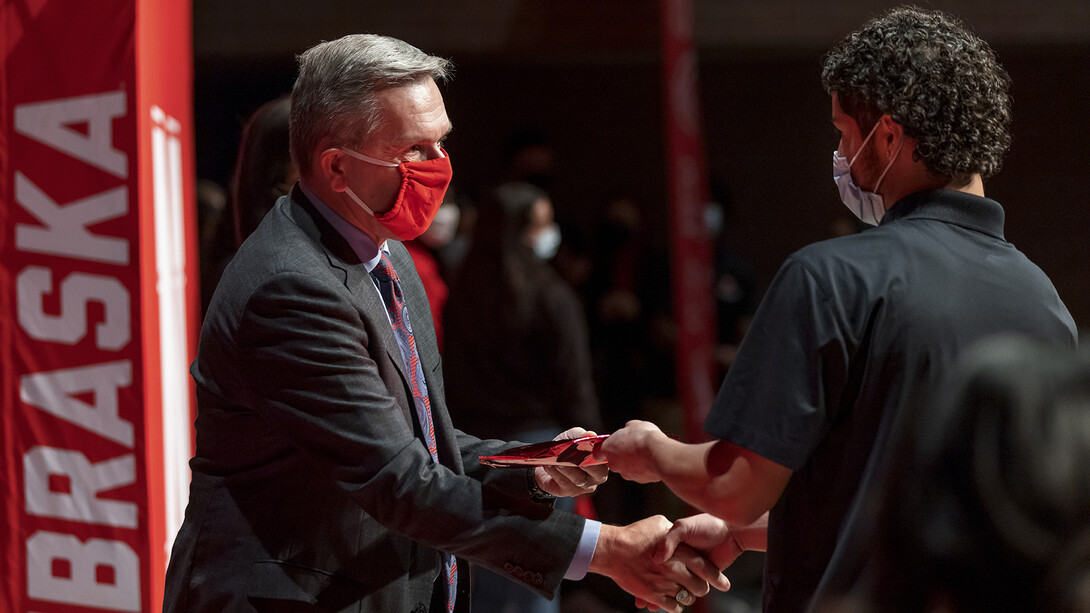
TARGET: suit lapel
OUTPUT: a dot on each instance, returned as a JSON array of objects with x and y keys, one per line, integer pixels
[
  {"x": 358, "y": 280},
  {"x": 355, "y": 277}
]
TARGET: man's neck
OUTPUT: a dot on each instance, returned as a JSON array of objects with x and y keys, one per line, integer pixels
[
  {"x": 922, "y": 181},
  {"x": 975, "y": 186},
  {"x": 347, "y": 210}
]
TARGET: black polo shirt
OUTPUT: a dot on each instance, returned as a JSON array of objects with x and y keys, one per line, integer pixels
[{"x": 849, "y": 330}]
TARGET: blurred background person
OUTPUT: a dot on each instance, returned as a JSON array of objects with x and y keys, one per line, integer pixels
[
  {"x": 263, "y": 172},
  {"x": 735, "y": 283},
  {"x": 516, "y": 359},
  {"x": 986, "y": 506},
  {"x": 628, "y": 298},
  {"x": 211, "y": 204},
  {"x": 425, "y": 250}
]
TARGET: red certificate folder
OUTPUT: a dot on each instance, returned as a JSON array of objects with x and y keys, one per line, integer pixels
[{"x": 571, "y": 452}]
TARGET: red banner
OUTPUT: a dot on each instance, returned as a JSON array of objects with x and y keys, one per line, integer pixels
[
  {"x": 95, "y": 308},
  {"x": 691, "y": 264}
]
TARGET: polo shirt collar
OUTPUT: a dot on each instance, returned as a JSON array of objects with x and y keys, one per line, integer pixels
[{"x": 950, "y": 206}]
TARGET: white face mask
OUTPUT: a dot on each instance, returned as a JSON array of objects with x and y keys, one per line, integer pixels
[
  {"x": 546, "y": 242},
  {"x": 443, "y": 227},
  {"x": 869, "y": 207}
]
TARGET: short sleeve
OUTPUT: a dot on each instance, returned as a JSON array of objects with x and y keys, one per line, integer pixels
[{"x": 774, "y": 400}]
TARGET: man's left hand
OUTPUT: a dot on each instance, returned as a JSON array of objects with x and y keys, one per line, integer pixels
[{"x": 562, "y": 481}]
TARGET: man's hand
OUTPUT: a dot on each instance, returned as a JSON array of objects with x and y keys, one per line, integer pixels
[
  {"x": 563, "y": 481},
  {"x": 717, "y": 540},
  {"x": 627, "y": 555},
  {"x": 627, "y": 451}
]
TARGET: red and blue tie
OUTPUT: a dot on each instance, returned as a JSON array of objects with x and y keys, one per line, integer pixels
[{"x": 390, "y": 288}]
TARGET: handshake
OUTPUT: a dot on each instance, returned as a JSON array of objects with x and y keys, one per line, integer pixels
[
  {"x": 665, "y": 566},
  {"x": 661, "y": 564}
]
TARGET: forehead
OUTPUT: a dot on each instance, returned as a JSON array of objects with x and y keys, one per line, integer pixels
[{"x": 412, "y": 113}]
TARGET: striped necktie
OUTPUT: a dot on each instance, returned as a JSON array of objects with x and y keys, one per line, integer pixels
[{"x": 390, "y": 288}]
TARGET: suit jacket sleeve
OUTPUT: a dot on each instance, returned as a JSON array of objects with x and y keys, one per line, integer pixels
[{"x": 319, "y": 370}]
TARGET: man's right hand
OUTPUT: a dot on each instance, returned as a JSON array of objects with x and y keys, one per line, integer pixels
[
  {"x": 626, "y": 554},
  {"x": 629, "y": 451},
  {"x": 719, "y": 541}
]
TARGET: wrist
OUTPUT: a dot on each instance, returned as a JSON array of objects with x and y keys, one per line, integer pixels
[
  {"x": 599, "y": 562},
  {"x": 739, "y": 544},
  {"x": 536, "y": 493}
]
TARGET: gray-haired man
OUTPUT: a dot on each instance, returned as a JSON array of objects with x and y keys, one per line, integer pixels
[{"x": 327, "y": 475}]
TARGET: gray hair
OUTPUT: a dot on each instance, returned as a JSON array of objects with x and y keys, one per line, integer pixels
[{"x": 334, "y": 94}]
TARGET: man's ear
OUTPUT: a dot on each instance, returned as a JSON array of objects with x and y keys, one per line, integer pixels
[
  {"x": 890, "y": 133},
  {"x": 331, "y": 169}
]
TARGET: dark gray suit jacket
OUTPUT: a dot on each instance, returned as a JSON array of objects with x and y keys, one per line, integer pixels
[{"x": 312, "y": 488}]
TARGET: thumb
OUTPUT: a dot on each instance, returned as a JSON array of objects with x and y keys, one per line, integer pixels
[{"x": 666, "y": 547}]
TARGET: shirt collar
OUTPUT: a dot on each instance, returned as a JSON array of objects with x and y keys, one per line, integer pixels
[
  {"x": 361, "y": 243},
  {"x": 950, "y": 206}
]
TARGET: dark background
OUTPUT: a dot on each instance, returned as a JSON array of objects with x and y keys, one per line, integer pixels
[{"x": 587, "y": 74}]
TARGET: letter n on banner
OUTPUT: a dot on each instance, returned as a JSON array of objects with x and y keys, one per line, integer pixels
[
  {"x": 98, "y": 295},
  {"x": 691, "y": 265}
]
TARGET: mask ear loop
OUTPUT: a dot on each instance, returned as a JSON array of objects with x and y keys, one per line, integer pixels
[
  {"x": 367, "y": 158},
  {"x": 883, "y": 175},
  {"x": 865, "y": 140}
]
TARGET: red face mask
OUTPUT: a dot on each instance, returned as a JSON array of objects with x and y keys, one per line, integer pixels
[{"x": 423, "y": 186}]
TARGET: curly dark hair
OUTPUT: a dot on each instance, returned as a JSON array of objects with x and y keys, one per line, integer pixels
[{"x": 941, "y": 83}]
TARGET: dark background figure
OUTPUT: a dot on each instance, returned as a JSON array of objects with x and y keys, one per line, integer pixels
[
  {"x": 263, "y": 172},
  {"x": 211, "y": 204},
  {"x": 628, "y": 302},
  {"x": 425, "y": 251},
  {"x": 735, "y": 286},
  {"x": 627, "y": 294},
  {"x": 531, "y": 157},
  {"x": 517, "y": 359},
  {"x": 987, "y": 504}
]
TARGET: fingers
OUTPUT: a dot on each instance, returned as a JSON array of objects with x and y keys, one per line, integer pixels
[
  {"x": 668, "y": 602},
  {"x": 693, "y": 585},
  {"x": 568, "y": 481},
  {"x": 665, "y": 549},
  {"x": 570, "y": 478},
  {"x": 571, "y": 433},
  {"x": 674, "y": 579},
  {"x": 684, "y": 597},
  {"x": 702, "y": 568},
  {"x": 574, "y": 477},
  {"x": 598, "y": 472}
]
